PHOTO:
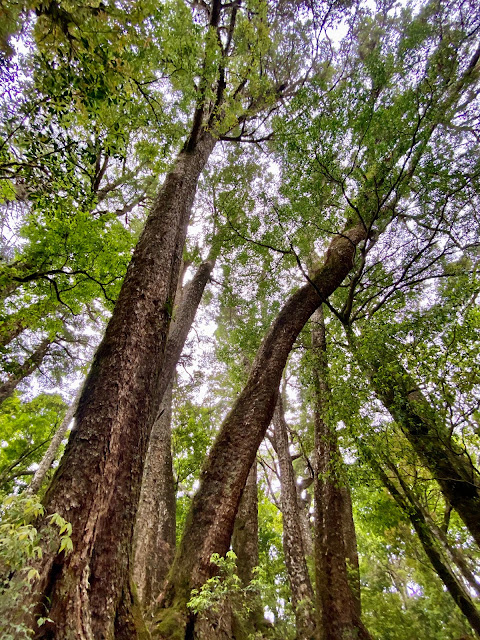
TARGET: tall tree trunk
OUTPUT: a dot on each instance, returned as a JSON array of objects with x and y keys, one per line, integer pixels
[
  {"x": 304, "y": 521},
  {"x": 245, "y": 532},
  {"x": 351, "y": 550},
  {"x": 155, "y": 526},
  {"x": 245, "y": 545},
  {"x": 337, "y": 583},
  {"x": 25, "y": 369},
  {"x": 455, "y": 588},
  {"x": 210, "y": 522},
  {"x": 97, "y": 485},
  {"x": 184, "y": 316},
  {"x": 297, "y": 571},
  {"x": 443, "y": 457},
  {"x": 51, "y": 452}
]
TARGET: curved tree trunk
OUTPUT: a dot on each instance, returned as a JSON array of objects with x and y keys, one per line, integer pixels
[
  {"x": 447, "y": 461},
  {"x": 97, "y": 485},
  {"x": 210, "y": 522},
  {"x": 297, "y": 571},
  {"x": 337, "y": 583}
]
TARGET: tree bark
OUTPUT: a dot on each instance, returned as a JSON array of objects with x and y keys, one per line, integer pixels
[
  {"x": 304, "y": 520},
  {"x": 30, "y": 365},
  {"x": 447, "y": 462},
  {"x": 297, "y": 571},
  {"x": 245, "y": 532},
  {"x": 97, "y": 485},
  {"x": 155, "y": 526},
  {"x": 154, "y": 540},
  {"x": 183, "y": 317},
  {"x": 337, "y": 583},
  {"x": 209, "y": 525}
]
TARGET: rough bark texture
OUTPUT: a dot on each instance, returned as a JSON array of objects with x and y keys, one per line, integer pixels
[
  {"x": 245, "y": 532},
  {"x": 211, "y": 519},
  {"x": 155, "y": 526},
  {"x": 51, "y": 452},
  {"x": 97, "y": 485},
  {"x": 447, "y": 461},
  {"x": 337, "y": 589},
  {"x": 427, "y": 539},
  {"x": 30, "y": 365},
  {"x": 297, "y": 571}
]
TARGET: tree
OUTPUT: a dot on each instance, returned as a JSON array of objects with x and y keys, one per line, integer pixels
[
  {"x": 110, "y": 458},
  {"x": 369, "y": 142}
]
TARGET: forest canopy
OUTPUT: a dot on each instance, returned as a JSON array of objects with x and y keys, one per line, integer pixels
[{"x": 239, "y": 321}]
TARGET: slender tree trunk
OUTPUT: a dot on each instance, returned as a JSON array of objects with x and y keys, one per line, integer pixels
[
  {"x": 184, "y": 316},
  {"x": 297, "y": 571},
  {"x": 245, "y": 532},
  {"x": 304, "y": 521},
  {"x": 210, "y": 522},
  {"x": 455, "y": 556},
  {"x": 97, "y": 485},
  {"x": 155, "y": 526},
  {"x": 427, "y": 539},
  {"x": 351, "y": 550},
  {"x": 30, "y": 365},
  {"x": 337, "y": 589},
  {"x": 447, "y": 461},
  {"x": 245, "y": 545},
  {"x": 51, "y": 452}
]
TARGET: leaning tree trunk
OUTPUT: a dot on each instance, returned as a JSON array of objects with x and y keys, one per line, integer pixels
[
  {"x": 154, "y": 540},
  {"x": 447, "y": 461},
  {"x": 337, "y": 589},
  {"x": 53, "y": 447},
  {"x": 410, "y": 509},
  {"x": 97, "y": 486},
  {"x": 210, "y": 522},
  {"x": 295, "y": 561},
  {"x": 25, "y": 369},
  {"x": 456, "y": 557}
]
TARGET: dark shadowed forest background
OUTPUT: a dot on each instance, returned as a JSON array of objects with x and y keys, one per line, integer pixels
[{"x": 239, "y": 321}]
